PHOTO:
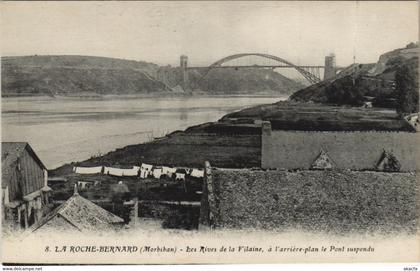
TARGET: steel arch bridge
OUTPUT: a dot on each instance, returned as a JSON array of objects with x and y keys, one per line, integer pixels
[{"x": 311, "y": 73}]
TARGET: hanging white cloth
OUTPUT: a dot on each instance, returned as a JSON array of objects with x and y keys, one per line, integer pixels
[
  {"x": 114, "y": 171},
  {"x": 145, "y": 170},
  {"x": 143, "y": 173},
  {"x": 179, "y": 176},
  {"x": 146, "y": 167},
  {"x": 88, "y": 170},
  {"x": 168, "y": 171},
  {"x": 157, "y": 173},
  {"x": 131, "y": 172},
  {"x": 197, "y": 173}
]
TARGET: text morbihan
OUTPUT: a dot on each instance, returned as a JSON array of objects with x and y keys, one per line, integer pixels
[{"x": 159, "y": 249}]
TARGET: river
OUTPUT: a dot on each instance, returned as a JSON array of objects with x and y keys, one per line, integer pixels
[{"x": 62, "y": 130}]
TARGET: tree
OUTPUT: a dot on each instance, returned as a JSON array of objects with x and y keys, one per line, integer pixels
[
  {"x": 345, "y": 91},
  {"x": 407, "y": 87}
]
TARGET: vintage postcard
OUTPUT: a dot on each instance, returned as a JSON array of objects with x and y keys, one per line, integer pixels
[{"x": 209, "y": 132}]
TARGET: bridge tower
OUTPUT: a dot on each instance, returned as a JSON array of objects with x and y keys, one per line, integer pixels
[
  {"x": 330, "y": 67},
  {"x": 183, "y": 63}
]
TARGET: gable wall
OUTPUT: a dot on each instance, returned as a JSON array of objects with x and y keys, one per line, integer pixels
[{"x": 32, "y": 174}]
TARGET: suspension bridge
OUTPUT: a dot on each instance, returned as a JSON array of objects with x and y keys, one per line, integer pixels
[{"x": 312, "y": 73}]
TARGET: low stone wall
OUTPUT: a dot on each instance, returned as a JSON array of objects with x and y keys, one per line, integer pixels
[
  {"x": 339, "y": 201},
  {"x": 348, "y": 150}
]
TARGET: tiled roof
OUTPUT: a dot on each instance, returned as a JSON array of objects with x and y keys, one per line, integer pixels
[{"x": 83, "y": 215}]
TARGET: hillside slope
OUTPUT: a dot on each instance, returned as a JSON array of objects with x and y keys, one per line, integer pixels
[
  {"x": 359, "y": 83},
  {"x": 93, "y": 76},
  {"x": 248, "y": 81},
  {"x": 76, "y": 76}
]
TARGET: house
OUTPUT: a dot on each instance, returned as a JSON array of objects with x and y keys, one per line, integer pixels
[
  {"x": 78, "y": 214},
  {"x": 25, "y": 192}
]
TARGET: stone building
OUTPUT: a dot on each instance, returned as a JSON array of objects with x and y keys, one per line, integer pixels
[
  {"x": 320, "y": 177},
  {"x": 355, "y": 150},
  {"x": 316, "y": 200}
]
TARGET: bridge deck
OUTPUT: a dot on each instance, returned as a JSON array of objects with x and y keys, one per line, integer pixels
[{"x": 258, "y": 66}]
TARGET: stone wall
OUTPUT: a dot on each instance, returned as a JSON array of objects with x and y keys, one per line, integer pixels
[
  {"x": 330, "y": 200},
  {"x": 348, "y": 150}
]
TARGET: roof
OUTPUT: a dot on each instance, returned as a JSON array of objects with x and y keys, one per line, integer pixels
[
  {"x": 309, "y": 199},
  {"x": 82, "y": 214},
  {"x": 10, "y": 152}
]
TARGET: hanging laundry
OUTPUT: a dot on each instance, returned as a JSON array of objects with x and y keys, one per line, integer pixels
[
  {"x": 115, "y": 171},
  {"x": 168, "y": 171},
  {"x": 197, "y": 173},
  {"x": 120, "y": 172},
  {"x": 145, "y": 170},
  {"x": 88, "y": 170},
  {"x": 179, "y": 177},
  {"x": 157, "y": 173},
  {"x": 146, "y": 167},
  {"x": 143, "y": 173},
  {"x": 131, "y": 172}
]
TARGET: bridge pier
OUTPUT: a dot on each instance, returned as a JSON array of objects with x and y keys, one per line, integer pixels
[
  {"x": 183, "y": 63},
  {"x": 330, "y": 69}
]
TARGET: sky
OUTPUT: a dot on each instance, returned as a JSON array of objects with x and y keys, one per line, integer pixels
[{"x": 300, "y": 32}]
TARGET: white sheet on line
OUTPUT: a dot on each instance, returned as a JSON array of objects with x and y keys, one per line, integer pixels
[
  {"x": 88, "y": 170},
  {"x": 146, "y": 167},
  {"x": 179, "y": 176},
  {"x": 197, "y": 173},
  {"x": 157, "y": 172},
  {"x": 168, "y": 171},
  {"x": 131, "y": 172},
  {"x": 119, "y": 172}
]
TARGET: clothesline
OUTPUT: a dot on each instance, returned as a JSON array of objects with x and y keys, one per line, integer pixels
[{"x": 144, "y": 171}]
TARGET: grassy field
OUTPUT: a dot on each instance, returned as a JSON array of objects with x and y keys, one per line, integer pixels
[{"x": 315, "y": 117}]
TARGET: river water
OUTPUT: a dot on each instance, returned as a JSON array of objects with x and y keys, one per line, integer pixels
[{"x": 63, "y": 130}]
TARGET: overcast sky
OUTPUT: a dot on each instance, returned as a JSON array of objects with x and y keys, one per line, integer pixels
[{"x": 159, "y": 32}]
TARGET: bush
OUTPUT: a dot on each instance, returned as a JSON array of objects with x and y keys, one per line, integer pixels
[
  {"x": 406, "y": 80},
  {"x": 345, "y": 91}
]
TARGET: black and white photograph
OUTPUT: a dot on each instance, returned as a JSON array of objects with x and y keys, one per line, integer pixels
[{"x": 209, "y": 132}]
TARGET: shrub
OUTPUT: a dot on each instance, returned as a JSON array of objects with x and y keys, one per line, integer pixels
[{"x": 406, "y": 80}]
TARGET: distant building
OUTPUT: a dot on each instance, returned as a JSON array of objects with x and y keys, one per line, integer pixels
[
  {"x": 78, "y": 214},
  {"x": 25, "y": 192}
]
